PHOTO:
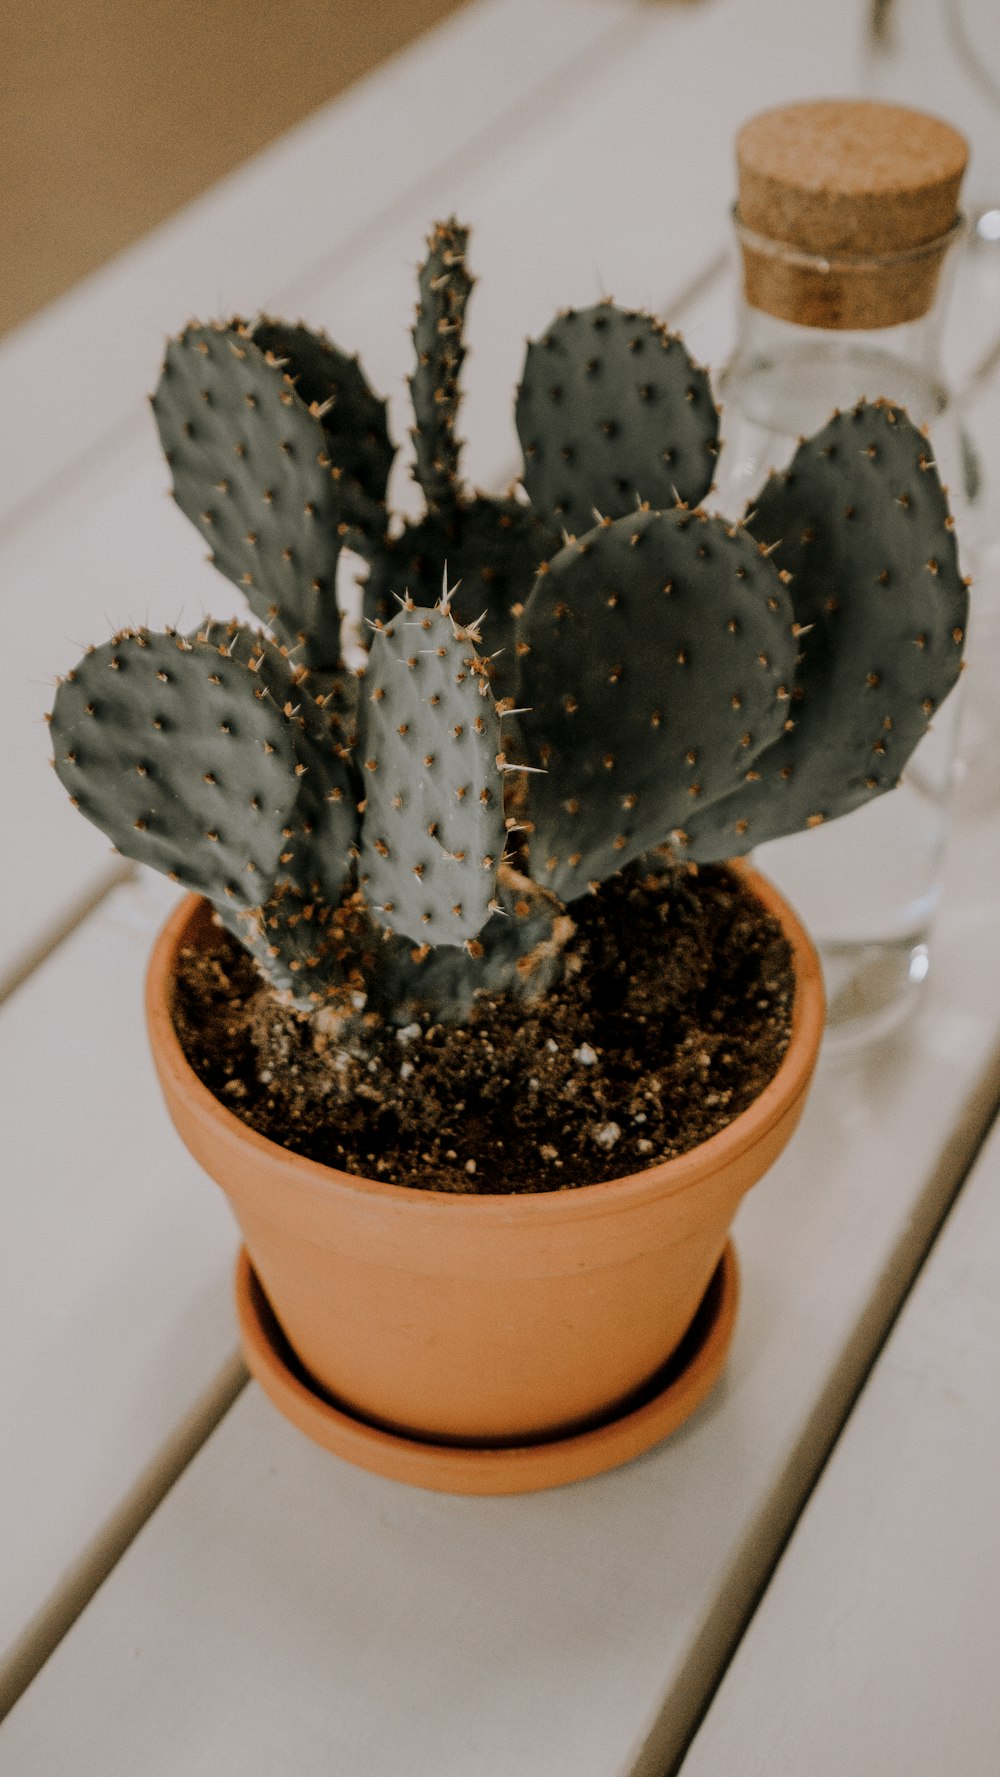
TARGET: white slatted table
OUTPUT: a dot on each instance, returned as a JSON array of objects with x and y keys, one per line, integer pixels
[
  {"x": 280, "y": 1611},
  {"x": 875, "y": 1647}
]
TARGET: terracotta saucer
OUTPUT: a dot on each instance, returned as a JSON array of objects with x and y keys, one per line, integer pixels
[{"x": 664, "y": 1403}]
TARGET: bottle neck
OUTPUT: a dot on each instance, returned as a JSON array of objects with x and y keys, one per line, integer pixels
[{"x": 791, "y": 377}]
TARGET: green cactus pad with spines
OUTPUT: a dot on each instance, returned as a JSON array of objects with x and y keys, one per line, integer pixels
[
  {"x": 270, "y": 661},
  {"x": 612, "y": 412},
  {"x": 491, "y": 549},
  {"x": 445, "y": 285},
  {"x": 322, "y": 840},
  {"x": 433, "y": 829},
  {"x": 183, "y": 757},
  {"x": 354, "y": 420},
  {"x": 861, "y": 522},
  {"x": 334, "y": 695},
  {"x": 295, "y": 941},
  {"x": 518, "y": 952},
  {"x": 322, "y": 829},
  {"x": 344, "y": 961},
  {"x": 657, "y": 660},
  {"x": 275, "y": 490},
  {"x": 326, "y": 817}
]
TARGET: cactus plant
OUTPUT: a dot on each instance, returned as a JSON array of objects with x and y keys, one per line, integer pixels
[{"x": 621, "y": 672}]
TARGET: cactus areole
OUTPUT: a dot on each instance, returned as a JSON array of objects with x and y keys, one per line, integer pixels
[{"x": 558, "y": 680}]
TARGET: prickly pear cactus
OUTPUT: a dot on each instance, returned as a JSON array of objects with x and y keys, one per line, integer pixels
[
  {"x": 593, "y": 689},
  {"x": 612, "y": 413}
]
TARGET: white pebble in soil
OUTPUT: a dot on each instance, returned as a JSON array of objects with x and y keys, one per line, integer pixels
[
  {"x": 408, "y": 1033},
  {"x": 586, "y": 1056},
  {"x": 606, "y": 1134}
]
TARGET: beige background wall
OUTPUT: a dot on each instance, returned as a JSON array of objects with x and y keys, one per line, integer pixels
[{"x": 115, "y": 112}]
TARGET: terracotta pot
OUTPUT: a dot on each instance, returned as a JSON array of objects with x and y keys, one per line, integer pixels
[{"x": 483, "y": 1320}]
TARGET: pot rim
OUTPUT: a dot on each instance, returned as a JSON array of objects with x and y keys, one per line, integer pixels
[{"x": 664, "y": 1178}]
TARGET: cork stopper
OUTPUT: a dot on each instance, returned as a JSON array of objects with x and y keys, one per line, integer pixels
[{"x": 846, "y": 211}]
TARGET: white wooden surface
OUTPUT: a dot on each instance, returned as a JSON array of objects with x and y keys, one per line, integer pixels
[
  {"x": 280, "y": 1611},
  {"x": 283, "y": 1611},
  {"x": 875, "y": 1647},
  {"x": 116, "y": 1333}
]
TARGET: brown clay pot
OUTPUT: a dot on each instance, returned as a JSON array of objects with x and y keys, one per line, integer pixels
[{"x": 483, "y": 1320}]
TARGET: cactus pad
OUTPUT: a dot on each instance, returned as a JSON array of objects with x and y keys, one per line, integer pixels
[
  {"x": 295, "y": 941},
  {"x": 861, "y": 522},
  {"x": 445, "y": 285},
  {"x": 433, "y": 830},
  {"x": 321, "y": 832},
  {"x": 184, "y": 759},
  {"x": 518, "y": 952},
  {"x": 657, "y": 658},
  {"x": 612, "y": 412},
  {"x": 276, "y": 480}
]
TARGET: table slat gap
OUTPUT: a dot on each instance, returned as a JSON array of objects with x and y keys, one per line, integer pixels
[{"x": 40, "y": 1638}]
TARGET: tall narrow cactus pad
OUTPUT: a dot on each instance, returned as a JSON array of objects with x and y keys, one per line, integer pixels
[
  {"x": 433, "y": 830},
  {"x": 491, "y": 551},
  {"x": 861, "y": 522},
  {"x": 445, "y": 285},
  {"x": 657, "y": 660},
  {"x": 184, "y": 758},
  {"x": 611, "y": 412},
  {"x": 279, "y": 454}
]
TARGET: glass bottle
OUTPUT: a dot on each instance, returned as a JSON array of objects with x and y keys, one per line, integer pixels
[{"x": 843, "y": 297}]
